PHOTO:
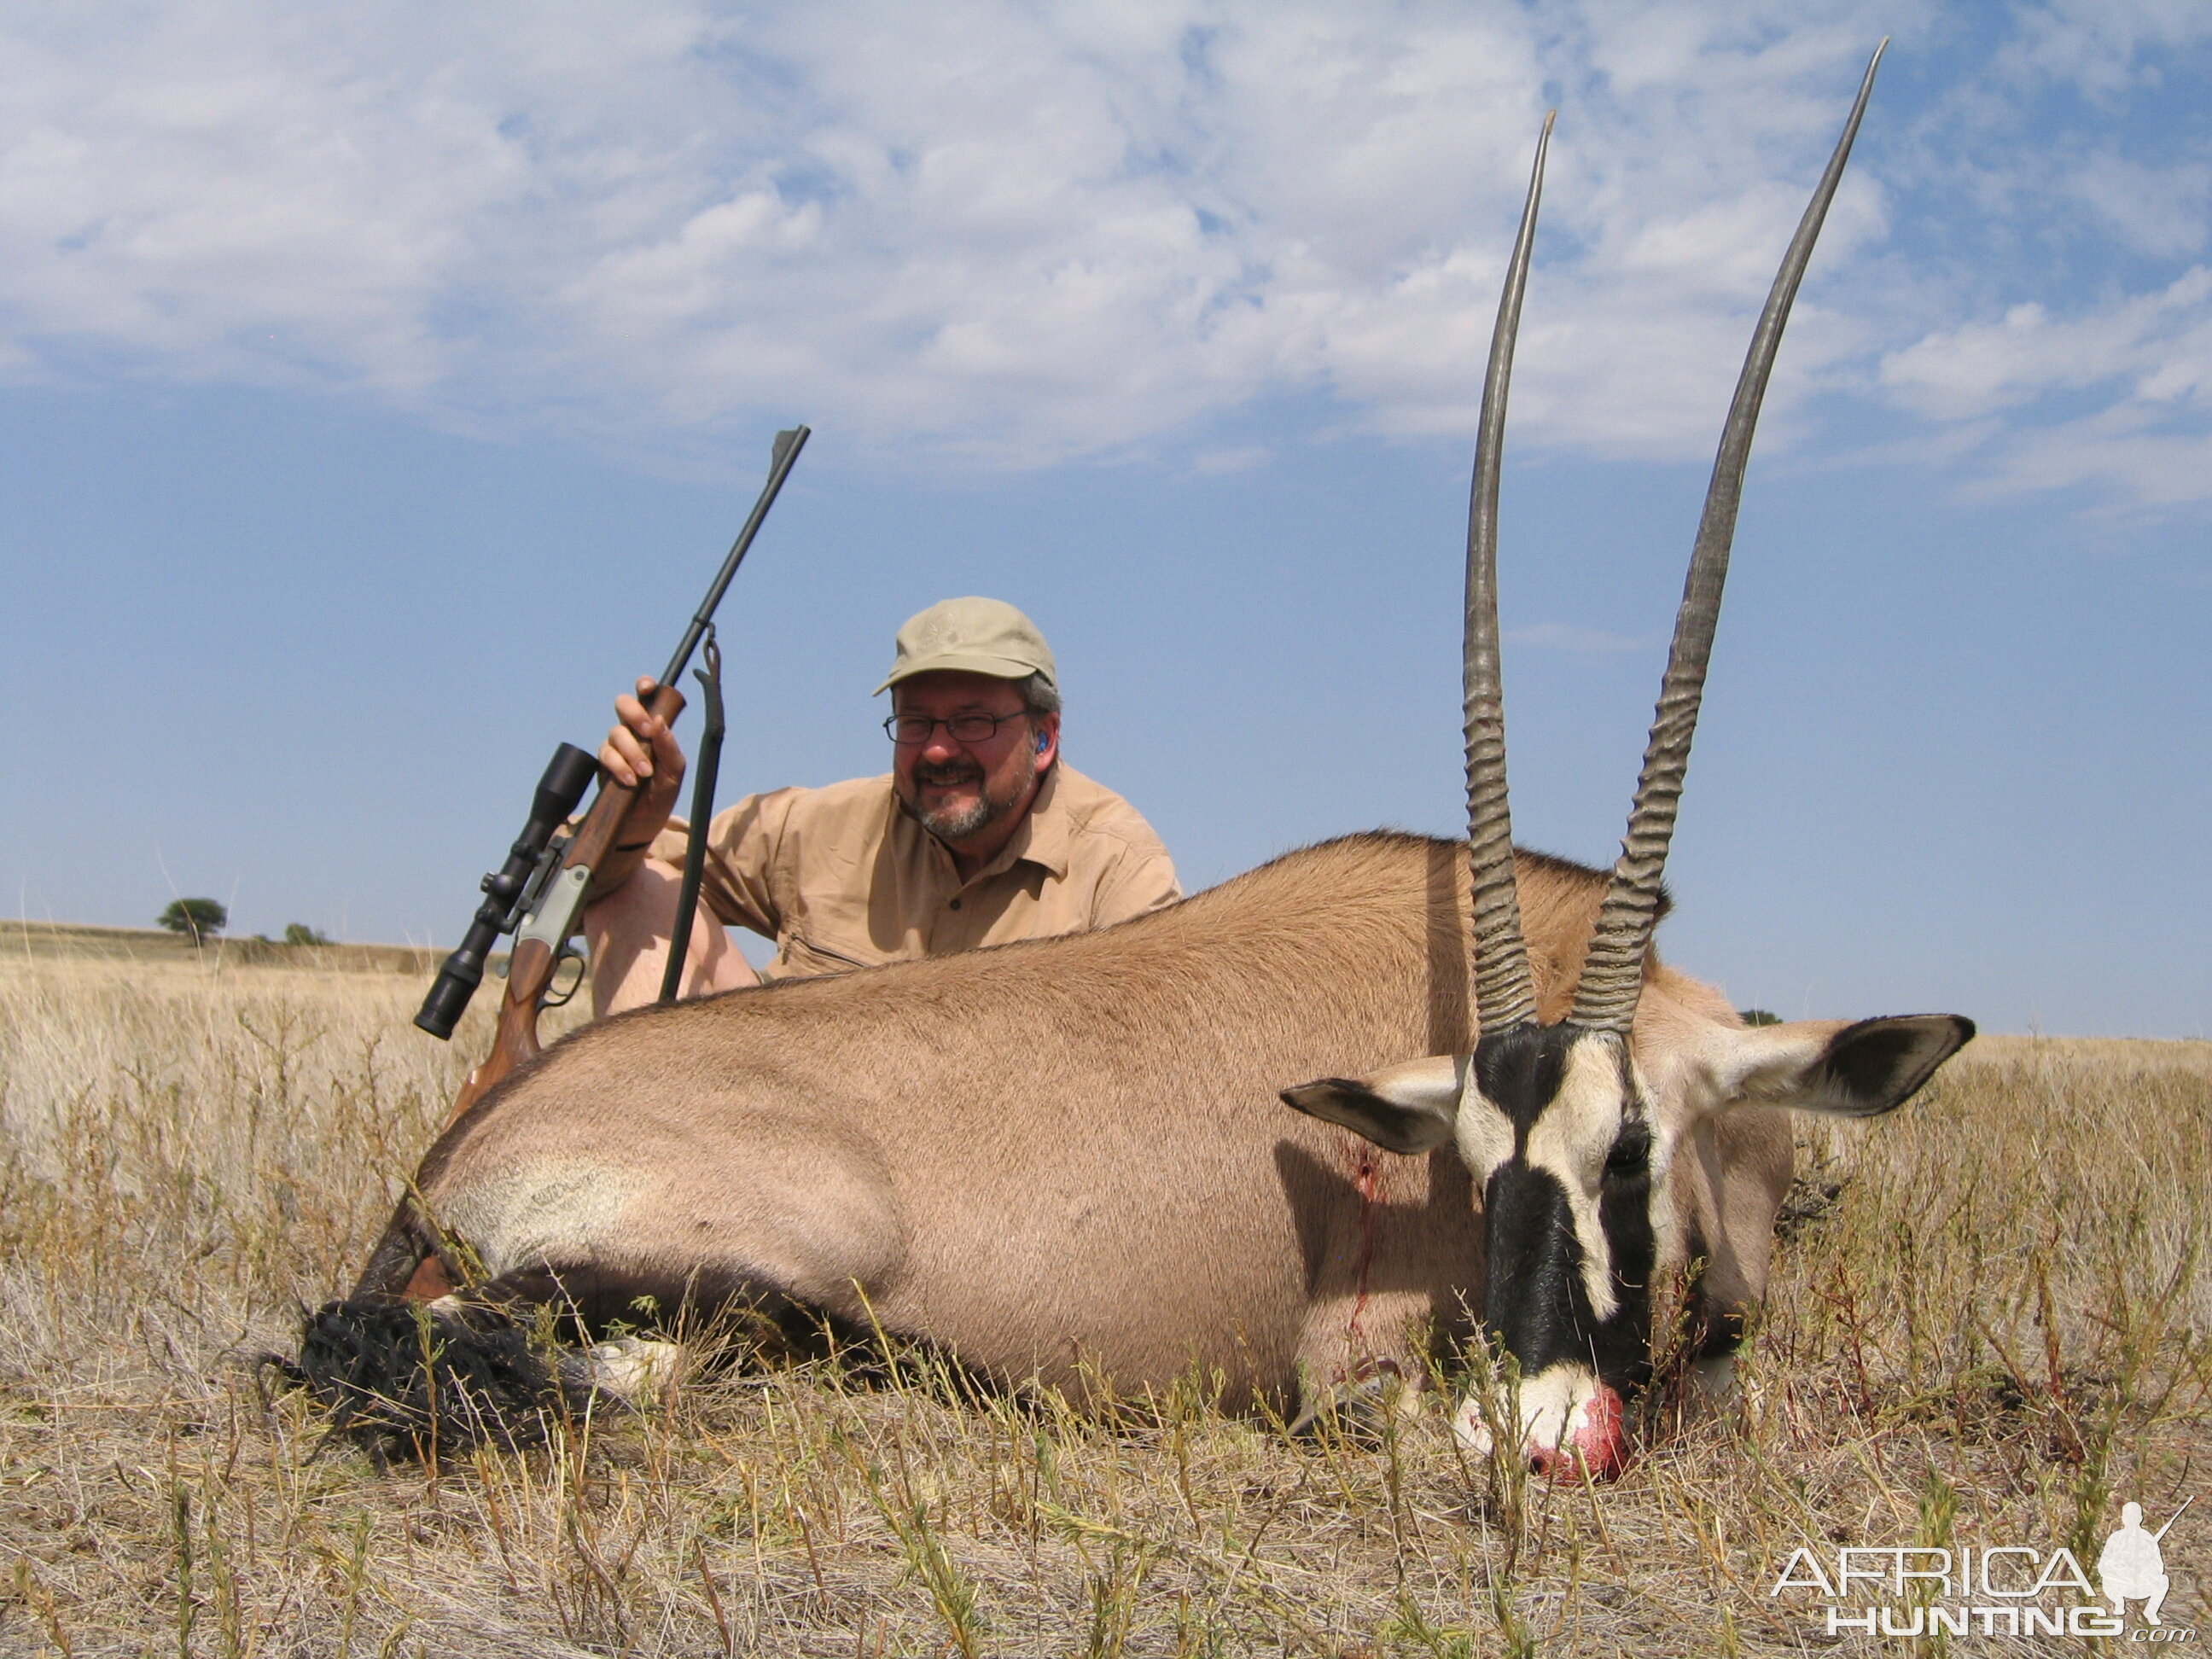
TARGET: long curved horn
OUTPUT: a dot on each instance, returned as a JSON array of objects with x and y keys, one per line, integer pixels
[
  {"x": 1613, "y": 970},
  {"x": 1502, "y": 992}
]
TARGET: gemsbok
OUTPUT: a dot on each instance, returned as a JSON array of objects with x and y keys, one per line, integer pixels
[{"x": 1067, "y": 1162}]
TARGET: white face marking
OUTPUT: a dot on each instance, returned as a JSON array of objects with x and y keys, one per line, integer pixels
[
  {"x": 1482, "y": 1131},
  {"x": 1468, "y": 1427},
  {"x": 1570, "y": 1141},
  {"x": 1670, "y": 1246},
  {"x": 1553, "y": 1404}
]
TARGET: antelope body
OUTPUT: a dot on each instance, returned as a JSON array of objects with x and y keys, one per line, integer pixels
[{"x": 1066, "y": 1160}]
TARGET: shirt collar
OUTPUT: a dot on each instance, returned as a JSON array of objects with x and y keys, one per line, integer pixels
[{"x": 1044, "y": 836}]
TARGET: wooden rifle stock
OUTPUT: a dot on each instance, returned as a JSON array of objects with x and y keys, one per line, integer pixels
[{"x": 532, "y": 962}]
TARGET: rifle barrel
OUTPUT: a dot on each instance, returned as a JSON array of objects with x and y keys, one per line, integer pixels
[
  {"x": 2171, "y": 1519},
  {"x": 787, "y": 445}
]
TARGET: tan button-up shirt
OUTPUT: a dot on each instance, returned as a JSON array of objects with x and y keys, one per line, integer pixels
[{"x": 840, "y": 878}]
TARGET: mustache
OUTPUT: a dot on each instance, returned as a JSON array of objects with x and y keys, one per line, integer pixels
[{"x": 951, "y": 772}]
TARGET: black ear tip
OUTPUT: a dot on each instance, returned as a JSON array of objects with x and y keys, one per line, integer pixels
[
  {"x": 1958, "y": 1025},
  {"x": 1880, "y": 1064},
  {"x": 1958, "y": 1029},
  {"x": 1306, "y": 1096}
]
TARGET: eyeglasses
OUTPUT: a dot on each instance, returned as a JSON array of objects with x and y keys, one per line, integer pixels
[{"x": 912, "y": 731}]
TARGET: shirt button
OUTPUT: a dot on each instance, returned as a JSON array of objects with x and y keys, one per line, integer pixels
[{"x": 955, "y": 904}]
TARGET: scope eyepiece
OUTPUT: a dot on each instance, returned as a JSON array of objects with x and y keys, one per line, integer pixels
[{"x": 567, "y": 776}]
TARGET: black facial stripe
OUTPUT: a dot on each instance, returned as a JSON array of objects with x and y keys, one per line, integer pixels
[
  {"x": 1625, "y": 1212},
  {"x": 1519, "y": 1071},
  {"x": 1630, "y": 1156},
  {"x": 1536, "y": 1302},
  {"x": 1533, "y": 1302}
]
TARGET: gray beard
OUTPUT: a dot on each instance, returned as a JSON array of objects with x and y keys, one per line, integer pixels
[
  {"x": 957, "y": 823},
  {"x": 951, "y": 824}
]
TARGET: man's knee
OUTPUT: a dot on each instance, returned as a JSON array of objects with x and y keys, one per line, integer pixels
[
  {"x": 641, "y": 908},
  {"x": 629, "y": 933}
]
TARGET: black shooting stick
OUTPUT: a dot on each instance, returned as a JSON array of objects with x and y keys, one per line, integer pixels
[
  {"x": 703, "y": 814},
  {"x": 787, "y": 445}
]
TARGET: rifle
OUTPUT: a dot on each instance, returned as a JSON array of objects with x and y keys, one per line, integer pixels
[
  {"x": 538, "y": 896},
  {"x": 2160, "y": 1534}
]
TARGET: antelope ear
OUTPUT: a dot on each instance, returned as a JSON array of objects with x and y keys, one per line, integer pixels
[
  {"x": 1401, "y": 1109},
  {"x": 1860, "y": 1070}
]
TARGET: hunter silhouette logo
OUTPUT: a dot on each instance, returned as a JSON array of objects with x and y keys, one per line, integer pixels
[{"x": 2132, "y": 1567}]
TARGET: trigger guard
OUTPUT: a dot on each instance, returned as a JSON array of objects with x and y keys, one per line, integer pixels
[{"x": 556, "y": 997}]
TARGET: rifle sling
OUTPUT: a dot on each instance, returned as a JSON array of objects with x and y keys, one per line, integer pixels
[{"x": 702, "y": 813}]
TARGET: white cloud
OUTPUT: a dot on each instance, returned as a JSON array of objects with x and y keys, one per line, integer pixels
[
  {"x": 1023, "y": 233},
  {"x": 2158, "y": 342},
  {"x": 2148, "y": 359},
  {"x": 2104, "y": 47}
]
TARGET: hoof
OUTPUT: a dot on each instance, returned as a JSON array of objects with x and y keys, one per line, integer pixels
[{"x": 1363, "y": 1403}]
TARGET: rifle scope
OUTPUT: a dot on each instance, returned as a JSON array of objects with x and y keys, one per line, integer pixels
[{"x": 569, "y": 774}]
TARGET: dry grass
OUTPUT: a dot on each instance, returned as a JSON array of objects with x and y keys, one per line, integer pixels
[
  {"x": 35, "y": 941},
  {"x": 1992, "y": 1319}
]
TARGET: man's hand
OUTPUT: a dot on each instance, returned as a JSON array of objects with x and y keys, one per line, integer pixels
[{"x": 642, "y": 751}]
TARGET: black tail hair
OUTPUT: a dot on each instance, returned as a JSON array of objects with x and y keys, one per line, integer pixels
[{"x": 402, "y": 1378}]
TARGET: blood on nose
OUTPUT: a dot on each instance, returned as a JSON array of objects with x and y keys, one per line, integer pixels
[{"x": 1597, "y": 1447}]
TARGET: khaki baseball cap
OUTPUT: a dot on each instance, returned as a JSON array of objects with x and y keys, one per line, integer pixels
[{"x": 980, "y": 636}]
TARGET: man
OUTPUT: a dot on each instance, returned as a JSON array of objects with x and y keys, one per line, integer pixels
[
  {"x": 2132, "y": 1567},
  {"x": 979, "y": 834}
]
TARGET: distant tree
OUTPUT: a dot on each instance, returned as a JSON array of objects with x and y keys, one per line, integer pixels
[
  {"x": 197, "y": 918},
  {"x": 299, "y": 932},
  {"x": 1759, "y": 1016}
]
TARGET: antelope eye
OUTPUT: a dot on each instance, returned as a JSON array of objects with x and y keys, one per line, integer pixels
[{"x": 1632, "y": 1152}]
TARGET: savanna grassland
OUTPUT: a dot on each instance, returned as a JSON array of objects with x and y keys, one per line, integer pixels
[{"x": 1991, "y": 1322}]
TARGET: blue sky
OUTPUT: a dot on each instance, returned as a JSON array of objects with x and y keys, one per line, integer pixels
[{"x": 379, "y": 389}]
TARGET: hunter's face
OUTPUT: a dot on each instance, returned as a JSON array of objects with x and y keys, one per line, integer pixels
[{"x": 964, "y": 791}]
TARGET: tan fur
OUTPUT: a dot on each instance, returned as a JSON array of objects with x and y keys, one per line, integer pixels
[{"x": 1072, "y": 1152}]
